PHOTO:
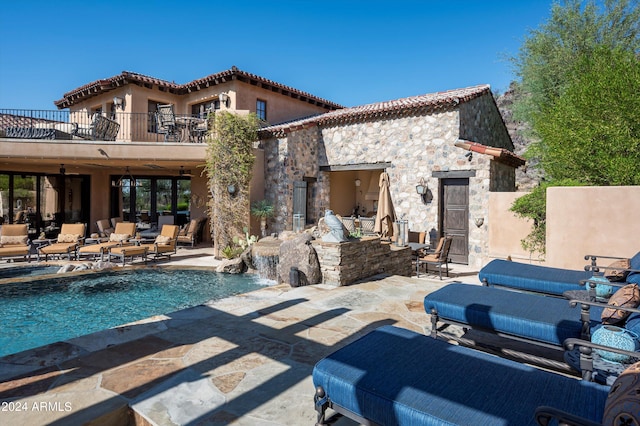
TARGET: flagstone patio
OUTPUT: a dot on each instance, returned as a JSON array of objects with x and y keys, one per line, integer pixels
[{"x": 243, "y": 360}]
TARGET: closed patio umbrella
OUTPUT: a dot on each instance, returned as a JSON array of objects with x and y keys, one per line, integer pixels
[{"x": 386, "y": 215}]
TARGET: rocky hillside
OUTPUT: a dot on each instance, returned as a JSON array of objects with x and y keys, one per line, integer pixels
[{"x": 527, "y": 176}]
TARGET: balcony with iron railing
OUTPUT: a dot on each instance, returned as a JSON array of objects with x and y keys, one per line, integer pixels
[{"x": 114, "y": 126}]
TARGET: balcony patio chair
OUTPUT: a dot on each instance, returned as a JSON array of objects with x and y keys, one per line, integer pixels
[
  {"x": 14, "y": 241},
  {"x": 164, "y": 245},
  {"x": 167, "y": 124},
  {"x": 394, "y": 376},
  {"x": 554, "y": 281},
  {"x": 198, "y": 131},
  {"x": 436, "y": 258},
  {"x": 101, "y": 129},
  {"x": 71, "y": 237},
  {"x": 123, "y": 232}
]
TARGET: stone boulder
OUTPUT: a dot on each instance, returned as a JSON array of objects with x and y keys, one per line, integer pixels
[
  {"x": 232, "y": 266},
  {"x": 300, "y": 254}
]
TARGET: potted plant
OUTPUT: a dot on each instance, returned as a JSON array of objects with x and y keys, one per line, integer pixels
[{"x": 262, "y": 209}]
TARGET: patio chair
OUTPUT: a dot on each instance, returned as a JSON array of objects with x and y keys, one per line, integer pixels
[
  {"x": 349, "y": 223},
  {"x": 70, "y": 238},
  {"x": 548, "y": 280},
  {"x": 192, "y": 233},
  {"x": 535, "y": 319},
  {"x": 394, "y": 376},
  {"x": 367, "y": 225},
  {"x": 101, "y": 128},
  {"x": 115, "y": 220},
  {"x": 14, "y": 241},
  {"x": 164, "y": 244},
  {"x": 437, "y": 258},
  {"x": 104, "y": 227},
  {"x": 167, "y": 124},
  {"x": 119, "y": 237}
]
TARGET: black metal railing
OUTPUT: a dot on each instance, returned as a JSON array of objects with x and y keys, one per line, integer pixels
[{"x": 100, "y": 126}]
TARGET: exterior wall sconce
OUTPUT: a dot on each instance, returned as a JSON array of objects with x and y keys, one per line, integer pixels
[
  {"x": 424, "y": 192},
  {"x": 479, "y": 221},
  {"x": 357, "y": 182},
  {"x": 224, "y": 99},
  {"x": 118, "y": 102},
  {"x": 231, "y": 189}
]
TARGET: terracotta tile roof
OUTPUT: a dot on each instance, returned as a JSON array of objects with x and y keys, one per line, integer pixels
[
  {"x": 501, "y": 155},
  {"x": 414, "y": 105},
  {"x": 126, "y": 77}
]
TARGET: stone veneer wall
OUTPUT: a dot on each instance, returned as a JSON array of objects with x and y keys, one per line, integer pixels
[
  {"x": 416, "y": 147},
  {"x": 345, "y": 263}
]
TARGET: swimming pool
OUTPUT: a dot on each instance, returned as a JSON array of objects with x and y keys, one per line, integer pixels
[{"x": 37, "y": 313}]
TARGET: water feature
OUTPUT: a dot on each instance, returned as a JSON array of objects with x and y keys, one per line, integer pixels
[
  {"x": 265, "y": 254},
  {"x": 35, "y": 313}
]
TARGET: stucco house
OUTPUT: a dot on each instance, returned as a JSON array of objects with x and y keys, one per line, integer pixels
[
  {"x": 104, "y": 154},
  {"x": 455, "y": 142}
]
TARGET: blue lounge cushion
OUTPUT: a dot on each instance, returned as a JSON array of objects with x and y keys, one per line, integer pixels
[
  {"x": 541, "y": 318},
  {"x": 522, "y": 276},
  {"x": 393, "y": 376},
  {"x": 634, "y": 263}
]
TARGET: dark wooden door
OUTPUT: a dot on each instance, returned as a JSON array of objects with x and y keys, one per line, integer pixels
[{"x": 454, "y": 214}]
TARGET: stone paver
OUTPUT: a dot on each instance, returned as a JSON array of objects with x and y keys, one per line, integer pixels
[{"x": 243, "y": 360}]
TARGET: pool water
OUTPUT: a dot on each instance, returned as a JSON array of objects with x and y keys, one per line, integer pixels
[
  {"x": 37, "y": 313},
  {"x": 27, "y": 271}
]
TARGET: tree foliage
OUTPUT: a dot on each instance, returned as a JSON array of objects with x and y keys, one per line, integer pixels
[
  {"x": 592, "y": 131},
  {"x": 572, "y": 32},
  {"x": 229, "y": 167},
  {"x": 578, "y": 92}
]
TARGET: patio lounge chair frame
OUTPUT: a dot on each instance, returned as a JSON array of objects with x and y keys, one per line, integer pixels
[
  {"x": 544, "y": 279},
  {"x": 62, "y": 248},
  {"x": 524, "y": 317},
  {"x": 127, "y": 229},
  {"x": 397, "y": 376}
]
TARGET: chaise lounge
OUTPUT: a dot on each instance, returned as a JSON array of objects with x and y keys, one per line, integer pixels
[
  {"x": 547, "y": 280},
  {"x": 119, "y": 237},
  {"x": 526, "y": 317},
  {"x": 14, "y": 241},
  {"x": 70, "y": 238},
  {"x": 394, "y": 376}
]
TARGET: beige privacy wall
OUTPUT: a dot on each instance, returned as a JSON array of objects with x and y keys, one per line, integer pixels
[
  {"x": 591, "y": 220},
  {"x": 505, "y": 230},
  {"x": 580, "y": 220}
]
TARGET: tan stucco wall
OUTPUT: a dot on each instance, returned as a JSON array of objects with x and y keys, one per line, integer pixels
[
  {"x": 580, "y": 221},
  {"x": 506, "y": 230},
  {"x": 591, "y": 220}
]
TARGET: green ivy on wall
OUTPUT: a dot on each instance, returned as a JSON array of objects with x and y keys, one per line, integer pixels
[{"x": 229, "y": 166}]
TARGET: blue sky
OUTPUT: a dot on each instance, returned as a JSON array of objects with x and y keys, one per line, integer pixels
[{"x": 349, "y": 52}]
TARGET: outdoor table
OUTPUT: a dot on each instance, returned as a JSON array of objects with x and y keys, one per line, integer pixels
[{"x": 187, "y": 124}]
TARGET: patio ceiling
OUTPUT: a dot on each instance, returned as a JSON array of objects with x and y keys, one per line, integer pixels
[{"x": 87, "y": 157}]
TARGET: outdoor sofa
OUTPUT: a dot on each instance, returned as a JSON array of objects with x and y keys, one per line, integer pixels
[{"x": 393, "y": 376}]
